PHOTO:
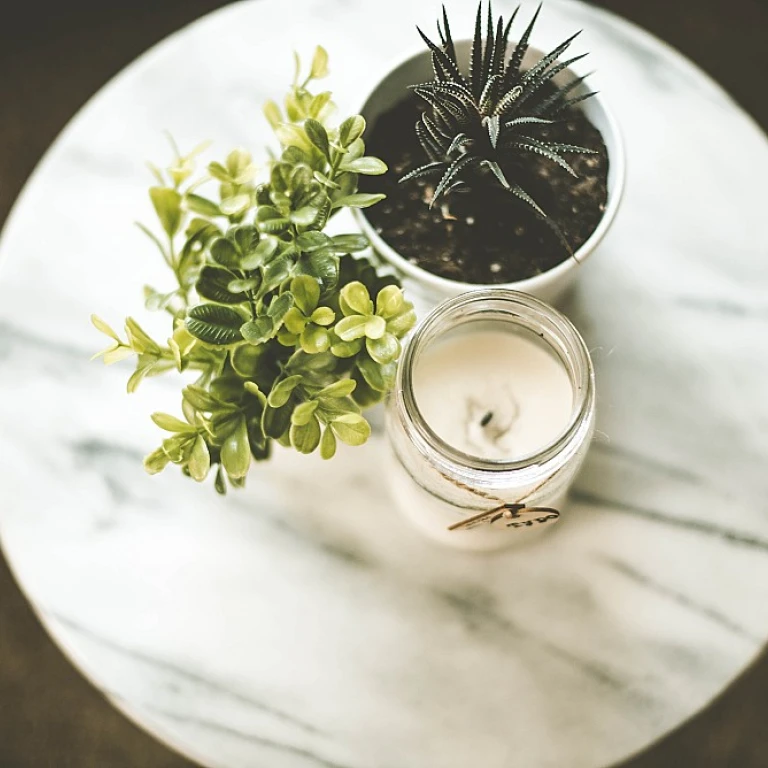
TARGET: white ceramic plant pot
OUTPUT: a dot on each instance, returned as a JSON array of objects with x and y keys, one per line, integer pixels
[{"x": 427, "y": 289}]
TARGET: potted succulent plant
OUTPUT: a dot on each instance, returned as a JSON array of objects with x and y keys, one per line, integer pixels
[
  {"x": 290, "y": 335},
  {"x": 512, "y": 174}
]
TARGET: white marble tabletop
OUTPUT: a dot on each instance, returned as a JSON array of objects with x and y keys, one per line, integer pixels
[{"x": 294, "y": 625}]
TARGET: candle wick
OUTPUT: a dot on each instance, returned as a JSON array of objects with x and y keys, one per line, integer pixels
[{"x": 486, "y": 420}]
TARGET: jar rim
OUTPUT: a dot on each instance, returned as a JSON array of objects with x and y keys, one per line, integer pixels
[{"x": 505, "y": 301}]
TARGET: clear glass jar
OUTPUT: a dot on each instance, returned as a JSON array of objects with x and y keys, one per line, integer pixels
[{"x": 479, "y": 503}]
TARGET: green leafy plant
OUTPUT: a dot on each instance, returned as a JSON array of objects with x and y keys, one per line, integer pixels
[
  {"x": 477, "y": 126},
  {"x": 290, "y": 335}
]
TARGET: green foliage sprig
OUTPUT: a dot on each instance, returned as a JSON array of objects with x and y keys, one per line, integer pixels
[
  {"x": 477, "y": 126},
  {"x": 290, "y": 334}
]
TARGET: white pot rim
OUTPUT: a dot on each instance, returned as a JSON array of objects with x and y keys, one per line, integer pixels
[{"x": 617, "y": 164}]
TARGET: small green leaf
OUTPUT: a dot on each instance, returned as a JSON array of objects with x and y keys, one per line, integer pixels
[
  {"x": 317, "y": 135},
  {"x": 277, "y": 271},
  {"x": 270, "y": 220},
  {"x": 219, "y": 483},
  {"x": 291, "y": 135},
  {"x": 227, "y": 388},
  {"x": 283, "y": 390},
  {"x": 355, "y": 299},
  {"x": 260, "y": 444},
  {"x": 153, "y": 300},
  {"x": 200, "y": 399},
  {"x": 323, "y": 316},
  {"x": 351, "y": 129},
  {"x": 240, "y": 166},
  {"x": 242, "y": 285},
  {"x": 355, "y": 149},
  {"x": 223, "y": 422},
  {"x": 351, "y": 328},
  {"x": 333, "y": 407},
  {"x": 235, "y": 451},
  {"x": 389, "y": 301},
  {"x": 253, "y": 388},
  {"x": 376, "y": 327},
  {"x": 341, "y": 388},
  {"x": 315, "y": 339},
  {"x": 233, "y": 206},
  {"x": 219, "y": 172},
  {"x": 138, "y": 338},
  {"x": 171, "y": 423},
  {"x": 351, "y": 428},
  {"x": 258, "y": 330},
  {"x": 300, "y": 175},
  {"x": 328, "y": 444},
  {"x": 276, "y": 421},
  {"x": 324, "y": 180},
  {"x": 215, "y": 324},
  {"x": 156, "y": 462},
  {"x": 402, "y": 323},
  {"x": 201, "y": 205},
  {"x": 312, "y": 241},
  {"x": 305, "y": 216},
  {"x": 306, "y": 293},
  {"x": 368, "y": 166},
  {"x": 322, "y": 267},
  {"x": 303, "y": 413},
  {"x": 349, "y": 243},
  {"x": 100, "y": 325},
  {"x": 294, "y": 321},
  {"x": 301, "y": 361},
  {"x": 247, "y": 361},
  {"x": 116, "y": 354},
  {"x": 384, "y": 349},
  {"x": 215, "y": 284},
  {"x": 293, "y": 106},
  {"x": 286, "y": 338},
  {"x": 319, "y": 104},
  {"x": 178, "y": 447},
  {"x": 167, "y": 203},
  {"x": 184, "y": 339},
  {"x": 138, "y": 376},
  {"x": 306, "y": 437},
  {"x": 346, "y": 349},
  {"x": 358, "y": 200},
  {"x": 377, "y": 376},
  {"x": 365, "y": 396},
  {"x": 223, "y": 252},
  {"x": 272, "y": 113},
  {"x": 199, "y": 460},
  {"x": 261, "y": 254},
  {"x": 245, "y": 238},
  {"x": 319, "y": 67},
  {"x": 190, "y": 414},
  {"x": 279, "y": 306}
]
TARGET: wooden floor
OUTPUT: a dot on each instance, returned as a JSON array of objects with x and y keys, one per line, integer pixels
[{"x": 50, "y": 63}]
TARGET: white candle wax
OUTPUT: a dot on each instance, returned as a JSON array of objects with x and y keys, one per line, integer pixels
[{"x": 493, "y": 394}]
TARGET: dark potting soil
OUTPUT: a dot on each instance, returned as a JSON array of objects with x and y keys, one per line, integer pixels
[{"x": 485, "y": 236}]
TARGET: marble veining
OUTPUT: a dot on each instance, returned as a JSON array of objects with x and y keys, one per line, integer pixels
[{"x": 296, "y": 625}]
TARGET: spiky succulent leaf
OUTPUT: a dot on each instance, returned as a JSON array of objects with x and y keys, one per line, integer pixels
[
  {"x": 512, "y": 72},
  {"x": 430, "y": 169},
  {"x": 474, "y": 127},
  {"x": 532, "y": 146}
]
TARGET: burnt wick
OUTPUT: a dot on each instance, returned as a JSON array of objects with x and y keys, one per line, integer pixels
[{"x": 486, "y": 420}]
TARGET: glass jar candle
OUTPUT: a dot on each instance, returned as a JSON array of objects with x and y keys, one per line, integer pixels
[{"x": 491, "y": 417}]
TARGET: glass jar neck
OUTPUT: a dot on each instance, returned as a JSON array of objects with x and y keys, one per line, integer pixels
[{"x": 498, "y": 308}]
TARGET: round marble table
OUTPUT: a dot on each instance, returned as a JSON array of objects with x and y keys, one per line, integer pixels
[{"x": 302, "y": 623}]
